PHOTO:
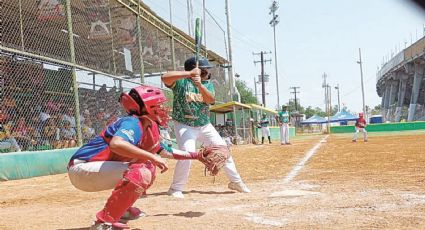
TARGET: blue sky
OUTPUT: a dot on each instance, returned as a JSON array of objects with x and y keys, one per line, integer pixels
[{"x": 313, "y": 37}]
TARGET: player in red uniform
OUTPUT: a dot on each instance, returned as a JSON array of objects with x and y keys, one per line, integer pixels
[
  {"x": 124, "y": 156},
  {"x": 360, "y": 127}
]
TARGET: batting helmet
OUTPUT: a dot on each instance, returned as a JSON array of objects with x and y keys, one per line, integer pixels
[
  {"x": 151, "y": 98},
  {"x": 190, "y": 63}
]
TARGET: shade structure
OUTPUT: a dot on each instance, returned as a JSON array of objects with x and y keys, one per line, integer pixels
[
  {"x": 315, "y": 119},
  {"x": 343, "y": 115},
  {"x": 228, "y": 107}
]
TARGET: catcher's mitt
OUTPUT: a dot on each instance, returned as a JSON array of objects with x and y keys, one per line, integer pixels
[{"x": 214, "y": 157}]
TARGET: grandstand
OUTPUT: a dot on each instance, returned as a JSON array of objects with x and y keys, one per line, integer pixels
[{"x": 401, "y": 84}]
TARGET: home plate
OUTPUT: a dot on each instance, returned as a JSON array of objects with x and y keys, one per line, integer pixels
[{"x": 292, "y": 193}]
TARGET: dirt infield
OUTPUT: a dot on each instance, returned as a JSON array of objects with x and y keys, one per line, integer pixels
[{"x": 342, "y": 185}]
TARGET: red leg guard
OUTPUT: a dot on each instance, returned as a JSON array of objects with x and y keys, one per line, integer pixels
[{"x": 135, "y": 181}]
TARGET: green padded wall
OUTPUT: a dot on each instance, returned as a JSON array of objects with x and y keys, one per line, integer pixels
[
  {"x": 20, "y": 165},
  {"x": 385, "y": 127},
  {"x": 275, "y": 132}
]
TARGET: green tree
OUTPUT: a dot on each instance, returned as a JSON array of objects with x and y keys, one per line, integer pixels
[
  {"x": 247, "y": 96},
  {"x": 375, "y": 111}
]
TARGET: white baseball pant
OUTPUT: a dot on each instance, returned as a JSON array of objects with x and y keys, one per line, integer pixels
[
  {"x": 357, "y": 132},
  {"x": 265, "y": 131},
  {"x": 186, "y": 137},
  {"x": 284, "y": 133},
  {"x": 96, "y": 175}
]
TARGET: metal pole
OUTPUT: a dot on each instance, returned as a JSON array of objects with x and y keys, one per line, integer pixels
[
  {"x": 189, "y": 17},
  {"x": 234, "y": 124},
  {"x": 243, "y": 124},
  {"x": 327, "y": 109},
  {"x": 330, "y": 100},
  {"x": 74, "y": 73},
  {"x": 21, "y": 24},
  {"x": 112, "y": 41},
  {"x": 255, "y": 89},
  {"x": 229, "y": 38},
  {"x": 173, "y": 56},
  {"x": 275, "y": 61},
  {"x": 203, "y": 28},
  {"x": 263, "y": 85},
  {"x": 339, "y": 105},
  {"x": 361, "y": 76},
  {"x": 139, "y": 38},
  {"x": 94, "y": 81}
]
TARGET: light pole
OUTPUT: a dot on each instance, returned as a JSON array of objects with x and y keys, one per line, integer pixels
[
  {"x": 229, "y": 38},
  {"x": 339, "y": 105},
  {"x": 361, "y": 76},
  {"x": 273, "y": 23}
]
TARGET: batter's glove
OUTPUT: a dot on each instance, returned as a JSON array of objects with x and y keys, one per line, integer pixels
[{"x": 214, "y": 157}]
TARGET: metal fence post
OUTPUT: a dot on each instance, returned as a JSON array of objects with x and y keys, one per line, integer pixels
[
  {"x": 139, "y": 39},
  {"x": 74, "y": 73}
]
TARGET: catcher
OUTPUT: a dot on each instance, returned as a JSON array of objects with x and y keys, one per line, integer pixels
[
  {"x": 124, "y": 157},
  {"x": 360, "y": 127}
]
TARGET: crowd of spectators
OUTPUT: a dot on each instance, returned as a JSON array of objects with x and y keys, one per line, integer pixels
[
  {"x": 51, "y": 123},
  {"x": 227, "y": 132}
]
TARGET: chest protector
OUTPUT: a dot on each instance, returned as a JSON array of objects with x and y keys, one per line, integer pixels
[{"x": 151, "y": 139}]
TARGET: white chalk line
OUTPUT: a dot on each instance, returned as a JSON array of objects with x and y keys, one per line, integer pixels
[
  {"x": 297, "y": 168},
  {"x": 281, "y": 222}
]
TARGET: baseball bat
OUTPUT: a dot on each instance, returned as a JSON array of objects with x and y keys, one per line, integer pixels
[{"x": 198, "y": 40}]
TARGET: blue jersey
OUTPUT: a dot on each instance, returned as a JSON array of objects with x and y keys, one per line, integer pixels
[{"x": 129, "y": 128}]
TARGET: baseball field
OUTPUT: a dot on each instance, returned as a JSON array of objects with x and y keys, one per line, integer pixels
[{"x": 318, "y": 182}]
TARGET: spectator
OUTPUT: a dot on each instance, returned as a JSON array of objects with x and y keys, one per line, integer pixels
[
  {"x": 84, "y": 116},
  {"x": 69, "y": 117},
  {"x": 35, "y": 138},
  {"x": 52, "y": 106},
  {"x": 7, "y": 142},
  {"x": 99, "y": 123},
  {"x": 88, "y": 130},
  {"x": 3, "y": 116},
  {"x": 225, "y": 135},
  {"x": 44, "y": 114},
  {"x": 51, "y": 133},
  {"x": 68, "y": 135},
  {"x": 21, "y": 134},
  {"x": 101, "y": 96},
  {"x": 10, "y": 108}
]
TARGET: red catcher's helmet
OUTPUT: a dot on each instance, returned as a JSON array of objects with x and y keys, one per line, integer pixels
[
  {"x": 360, "y": 114},
  {"x": 151, "y": 98}
]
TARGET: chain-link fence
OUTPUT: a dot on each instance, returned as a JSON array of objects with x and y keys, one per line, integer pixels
[{"x": 63, "y": 65}]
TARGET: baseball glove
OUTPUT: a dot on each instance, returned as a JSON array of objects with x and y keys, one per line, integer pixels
[{"x": 214, "y": 157}]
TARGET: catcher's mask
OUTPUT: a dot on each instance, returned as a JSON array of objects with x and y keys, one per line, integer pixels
[{"x": 151, "y": 98}]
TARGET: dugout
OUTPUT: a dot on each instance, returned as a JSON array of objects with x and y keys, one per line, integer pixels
[{"x": 233, "y": 119}]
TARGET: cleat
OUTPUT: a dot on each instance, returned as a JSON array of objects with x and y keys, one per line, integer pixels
[
  {"x": 175, "y": 193},
  {"x": 240, "y": 187},
  {"x": 132, "y": 213},
  {"x": 99, "y": 225}
]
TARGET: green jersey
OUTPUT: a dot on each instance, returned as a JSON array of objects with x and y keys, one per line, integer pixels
[
  {"x": 264, "y": 122},
  {"x": 188, "y": 105},
  {"x": 283, "y": 116}
]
